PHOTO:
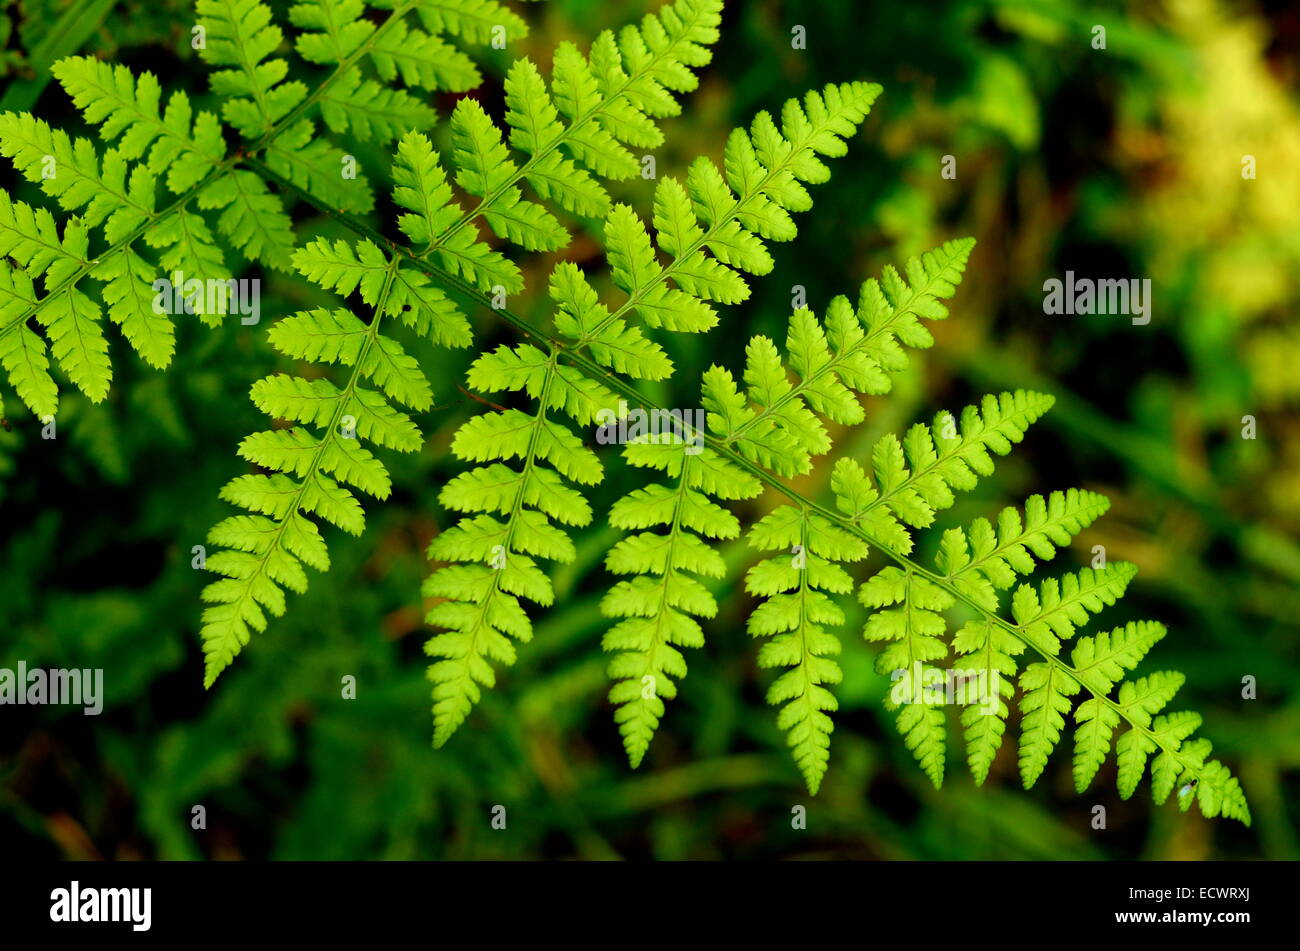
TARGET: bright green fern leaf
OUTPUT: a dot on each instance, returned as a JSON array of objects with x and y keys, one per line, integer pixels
[
  {"x": 318, "y": 464},
  {"x": 703, "y": 232},
  {"x": 797, "y": 587}
]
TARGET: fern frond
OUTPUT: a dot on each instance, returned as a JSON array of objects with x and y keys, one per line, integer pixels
[
  {"x": 31, "y": 237},
  {"x": 253, "y": 218},
  {"x": 422, "y": 188},
  {"x": 797, "y": 586},
  {"x": 1047, "y": 691},
  {"x": 492, "y": 563},
  {"x": 370, "y": 110},
  {"x": 1100, "y": 662},
  {"x": 570, "y": 136},
  {"x": 112, "y": 192},
  {"x": 474, "y": 20},
  {"x": 314, "y": 165},
  {"x": 853, "y": 352},
  {"x": 908, "y": 608},
  {"x": 70, "y": 318},
  {"x": 946, "y": 456},
  {"x": 336, "y": 29},
  {"x": 704, "y": 235},
  {"x": 775, "y": 423},
  {"x": 659, "y": 604},
  {"x": 909, "y": 602},
  {"x": 983, "y": 558},
  {"x": 906, "y": 613},
  {"x": 711, "y": 233},
  {"x": 1044, "y": 618},
  {"x": 485, "y": 169},
  {"x": 1050, "y": 615},
  {"x": 241, "y": 37},
  {"x": 187, "y": 151},
  {"x": 177, "y": 142},
  {"x": 422, "y": 60},
  {"x": 567, "y": 132},
  {"x": 315, "y": 464},
  {"x": 188, "y": 246},
  {"x": 128, "y": 295},
  {"x": 993, "y": 650}
]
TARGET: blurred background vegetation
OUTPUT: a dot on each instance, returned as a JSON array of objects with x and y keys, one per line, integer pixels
[{"x": 1122, "y": 162}]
